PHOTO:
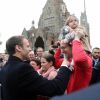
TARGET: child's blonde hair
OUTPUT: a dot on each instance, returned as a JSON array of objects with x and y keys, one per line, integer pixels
[{"x": 70, "y": 18}]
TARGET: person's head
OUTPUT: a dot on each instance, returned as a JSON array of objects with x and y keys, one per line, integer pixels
[
  {"x": 72, "y": 21},
  {"x": 35, "y": 63},
  {"x": 47, "y": 61},
  {"x": 18, "y": 46},
  {"x": 66, "y": 48},
  {"x": 96, "y": 53},
  {"x": 39, "y": 51},
  {"x": 31, "y": 55}
]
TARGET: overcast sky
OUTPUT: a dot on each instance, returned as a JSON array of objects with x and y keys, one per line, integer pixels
[{"x": 17, "y": 14}]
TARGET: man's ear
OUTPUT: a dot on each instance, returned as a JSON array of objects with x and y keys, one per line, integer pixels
[{"x": 18, "y": 48}]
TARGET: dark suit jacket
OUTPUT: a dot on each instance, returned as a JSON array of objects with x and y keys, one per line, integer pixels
[
  {"x": 95, "y": 74},
  {"x": 93, "y": 63},
  {"x": 21, "y": 82}
]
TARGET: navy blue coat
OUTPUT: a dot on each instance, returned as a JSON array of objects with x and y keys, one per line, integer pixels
[{"x": 21, "y": 82}]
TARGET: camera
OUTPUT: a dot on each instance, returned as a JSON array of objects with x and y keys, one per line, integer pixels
[{"x": 56, "y": 45}]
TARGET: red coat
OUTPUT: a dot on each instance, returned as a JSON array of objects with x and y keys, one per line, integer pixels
[
  {"x": 82, "y": 72},
  {"x": 58, "y": 59}
]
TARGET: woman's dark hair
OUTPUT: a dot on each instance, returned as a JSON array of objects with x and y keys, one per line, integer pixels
[
  {"x": 1, "y": 60},
  {"x": 38, "y": 62},
  {"x": 12, "y": 42},
  {"x": 49, "y": 57}
]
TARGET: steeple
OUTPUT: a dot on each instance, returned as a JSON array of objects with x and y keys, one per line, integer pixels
[
  {"x": 84, "y": 7},
  {"x": 83, "y": 20}
]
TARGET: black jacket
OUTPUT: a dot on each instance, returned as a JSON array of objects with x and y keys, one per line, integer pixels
[
  {"x": 21, "y": 82},
  {"x": 95, "y": 74},
  {"x": 93, "y": 63}
]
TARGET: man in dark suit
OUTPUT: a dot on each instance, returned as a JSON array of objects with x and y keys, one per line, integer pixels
[
  {"x": 96, "y": 66},
  {"x": 21, "y": 82},
  {"x": 96, "y": 56},
  {"x": 95, "y": 74}
]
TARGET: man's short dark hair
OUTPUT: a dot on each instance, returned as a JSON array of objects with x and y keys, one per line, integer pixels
[
  {"x": 96, "y": 48},
  {"x": 12, "y": 42}
]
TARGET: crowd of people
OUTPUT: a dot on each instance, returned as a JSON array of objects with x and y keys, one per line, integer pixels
[{"x": 70, "y": 66}]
